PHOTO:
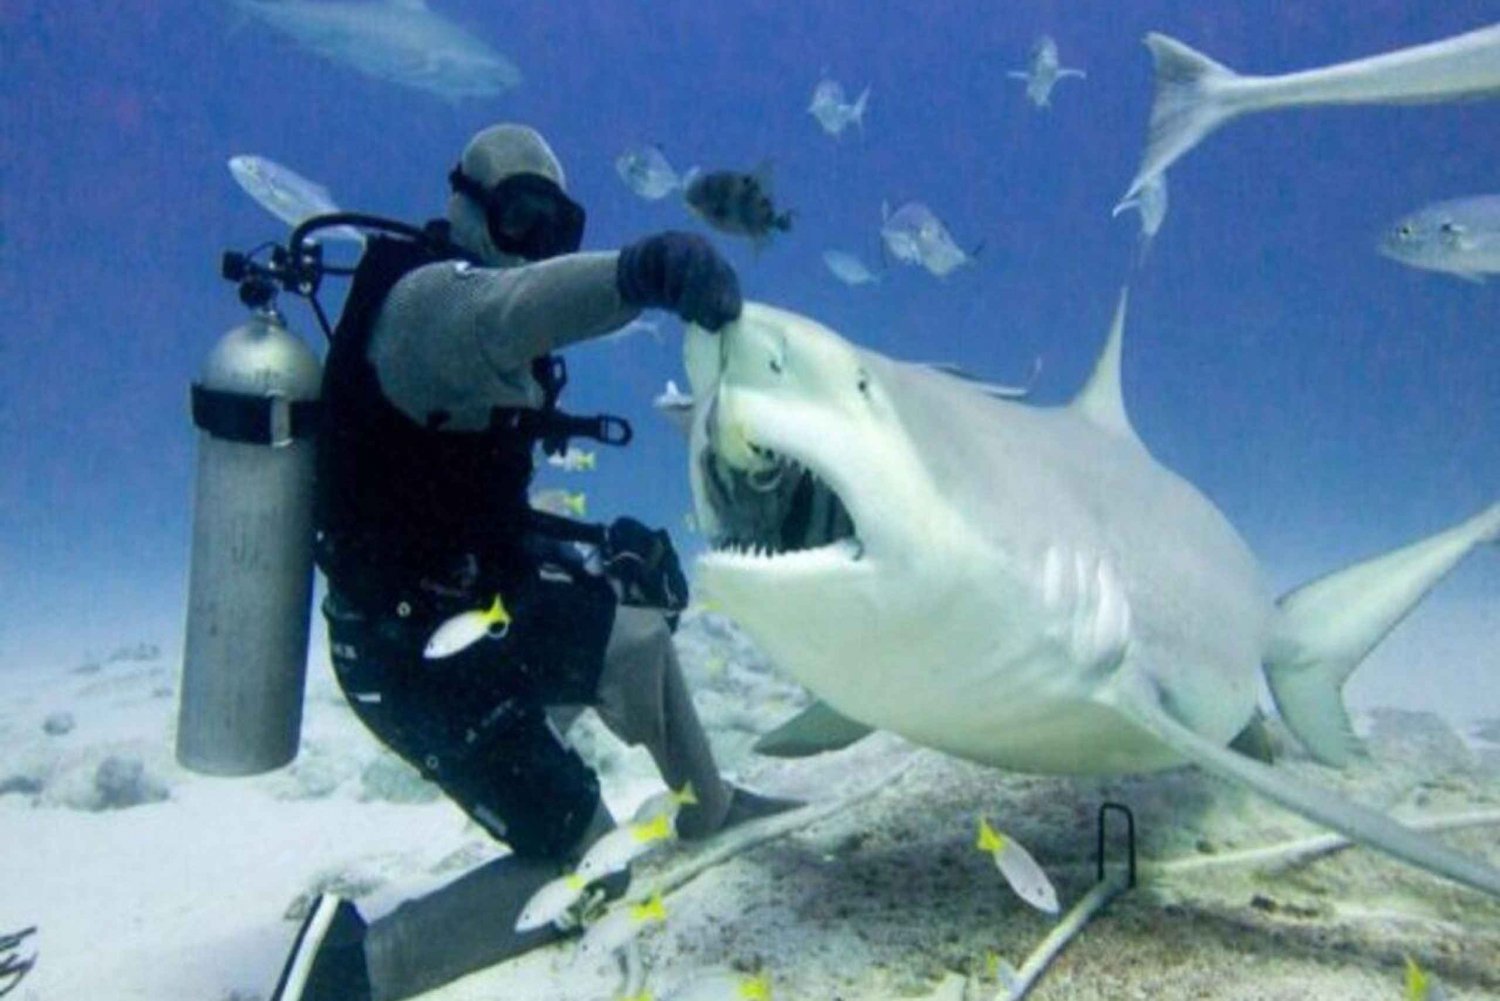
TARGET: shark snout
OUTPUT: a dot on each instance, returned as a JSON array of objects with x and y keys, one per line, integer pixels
[{"x": 754, "y": 354}]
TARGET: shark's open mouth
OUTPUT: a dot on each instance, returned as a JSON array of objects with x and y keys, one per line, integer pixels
[{"x": 779, "y": 507}]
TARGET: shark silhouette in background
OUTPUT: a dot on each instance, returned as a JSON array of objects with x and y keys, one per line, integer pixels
[{"x": 400, "y": 41}]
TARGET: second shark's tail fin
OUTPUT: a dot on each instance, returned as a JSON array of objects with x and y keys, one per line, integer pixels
[
  {"x": 1324, "y": 629},
  {"x": 1188, "y": 105}
]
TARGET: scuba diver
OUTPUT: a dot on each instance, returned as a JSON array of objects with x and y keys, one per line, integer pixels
[{"x": 439, "y": 385}]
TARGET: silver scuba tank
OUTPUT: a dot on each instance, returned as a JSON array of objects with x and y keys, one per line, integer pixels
[{"x": 251, "y": 571}]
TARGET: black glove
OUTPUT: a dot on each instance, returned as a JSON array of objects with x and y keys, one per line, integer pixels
[
  {"x": 681, "y": 272},
  {"x": 645, "y": 565}
]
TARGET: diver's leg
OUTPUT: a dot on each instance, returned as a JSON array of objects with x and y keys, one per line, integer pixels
[
  {"x": 465, "y": 926},
  {"x": 511, "y": 772},
  {"x": 527, "y": 788},
  {"x": 644, "y": 699}
]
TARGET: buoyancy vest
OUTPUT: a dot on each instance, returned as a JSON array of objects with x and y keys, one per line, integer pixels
[{"x": 401, "y": 502}]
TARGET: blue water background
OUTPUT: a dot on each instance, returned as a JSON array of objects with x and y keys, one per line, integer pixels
[{"x": 1333, "y": 403}]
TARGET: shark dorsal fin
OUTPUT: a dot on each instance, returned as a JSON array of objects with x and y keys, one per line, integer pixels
[{"x": 1101, "y": 399}]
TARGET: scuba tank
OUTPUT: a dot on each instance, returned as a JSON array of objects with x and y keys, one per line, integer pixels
[{"x": 251, "y": 571}]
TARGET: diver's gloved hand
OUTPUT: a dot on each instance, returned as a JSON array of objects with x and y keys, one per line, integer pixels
[
  {"x": 645, "y": 565},
  {"x": 681, "y": 272}
]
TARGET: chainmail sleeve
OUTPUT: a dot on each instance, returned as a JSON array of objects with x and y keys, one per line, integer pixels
[{"x": 456, "y": 340}]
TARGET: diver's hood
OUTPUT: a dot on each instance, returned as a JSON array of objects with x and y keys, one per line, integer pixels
[{"x": 494, "y": 154}]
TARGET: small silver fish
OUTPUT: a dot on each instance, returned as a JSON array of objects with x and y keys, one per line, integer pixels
[
  {"x": 574, "y": 460},
  {"x": 848, "y": 268},
  {"x": 724, "y": 985},
  {"x": 645, "y": 170},
  {"x": 288, "y": 195},
  {"x": 463, "y": 630},
  {"x": 616, "y": 850},
  {"x": 1019, "y": 868},
  {"x": 1151, "y": 202},
  {"x": 619, "y": 928},
  {"x": 834, "y": 111},
  {"x": 560, "y": 502},
  {"x": 1044, "y": 72},
  {"x": 675, "y": 405},
  {"x": 551, "y": 902},
  {"x": 914, "y": 235},
  {"x": 667, "y": 803},
  {"x": 1460, "y": 237}
]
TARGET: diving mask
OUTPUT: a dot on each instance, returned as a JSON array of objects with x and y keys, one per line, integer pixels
[{"x": 528, "y": 215}]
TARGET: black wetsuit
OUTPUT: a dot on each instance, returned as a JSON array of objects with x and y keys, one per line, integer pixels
[{"x": 419, "y": 521}]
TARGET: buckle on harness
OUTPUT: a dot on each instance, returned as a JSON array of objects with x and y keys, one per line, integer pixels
[{"x": 605, "y": 429}]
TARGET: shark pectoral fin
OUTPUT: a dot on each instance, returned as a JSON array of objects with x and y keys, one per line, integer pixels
[
  {"x": 1324, "y": 629},
  {"x": 1139, "y": 700},
  {"x": 1255, "y": 741},
  {"x": 816, "y": 729}
]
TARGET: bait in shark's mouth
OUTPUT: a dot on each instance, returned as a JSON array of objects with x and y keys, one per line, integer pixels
[{"x": 781, "y": 506}]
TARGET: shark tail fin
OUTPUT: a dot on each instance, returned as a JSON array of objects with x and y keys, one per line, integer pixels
[
  {"x": 1324, "y": 629},
  {"x": 1189, "y": 104}
]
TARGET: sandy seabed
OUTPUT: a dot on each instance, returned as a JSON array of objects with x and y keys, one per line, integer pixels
[{"x": 146, "y": 881}]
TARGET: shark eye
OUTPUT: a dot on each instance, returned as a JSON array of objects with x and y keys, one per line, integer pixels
[
  {"x": 1404, "y": 231},
  {"x": 776, "y": 366},
  {"x": 864, "y": 383}
]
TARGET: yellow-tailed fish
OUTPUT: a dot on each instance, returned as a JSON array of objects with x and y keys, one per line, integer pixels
[
  {"x": 622, "y": 846},
  {"x": 1420, "y": 986},
  {"x": 668, "y": 803},
  {"x": 551, "y": 901},
  {"x": 619, "y": 928},
  {"x": 1018, "y": 867},
  {"x": 467, "y": 628},
  {"x": 561, "y": 503},
  {"x": 725, "y": 986},
  {"x": 574, "y": 460}
]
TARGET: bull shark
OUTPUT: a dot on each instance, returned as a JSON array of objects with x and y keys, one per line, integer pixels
[
  {"x": 1018, "y": 585},
  {"x": 402, "y": 41},
  {"x": 1195, "y": 94}
]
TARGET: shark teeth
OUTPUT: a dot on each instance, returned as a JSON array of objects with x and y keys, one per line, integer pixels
[
  {"x": 844, "y": 550},
  {"x": 779, "y": 508}
]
